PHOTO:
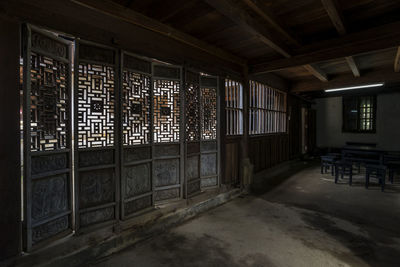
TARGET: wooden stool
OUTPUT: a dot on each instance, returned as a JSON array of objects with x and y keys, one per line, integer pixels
[
  {"x": 344, "y": 167},
  {"x": 379, "y": 171},
  {"x": 328, "y": 162}
]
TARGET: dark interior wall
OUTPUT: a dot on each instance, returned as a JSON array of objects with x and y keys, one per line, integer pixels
[
  {"x": 295, "y": 126},
  {"x": 70, "y": 18},
  {"x": 10, "y": 177},
  {"x": 329, "y": 123}
]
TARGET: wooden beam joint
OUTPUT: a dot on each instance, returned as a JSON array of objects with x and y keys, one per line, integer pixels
[{"x": 317, "y": 72}]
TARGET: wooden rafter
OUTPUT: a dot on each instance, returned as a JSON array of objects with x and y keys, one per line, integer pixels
[
  {"x": 337, "y": 19},
  {"x": 117, "y": 11},
  {"x": 373, "y": 39},
  {"x": 335, "y": 15},
  {"x": 242, "y": 18},
  {"x": 353, "y": 66},
  {"x": 317, "y": 72},
  {"x": 271, "y": 19},
  {"x": 273, "y": 22},
  {"x": 397, "y": 61}
]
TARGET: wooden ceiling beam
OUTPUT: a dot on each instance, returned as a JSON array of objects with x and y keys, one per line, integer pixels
[
  {"x": 353, "y": 66},
  {"x": 130, "y": 16},
  {"x": 335, "y": 15},
  {"x": 397, "y": 61},
  {"x": 345, "y": 80},
  {"x": 273, "y": 22},
  {"x": 242, "y": 18},
  {"x": 271, "y": 19},
  {"x": 317, "y": 72},
  {"x": 179, "y": 8},
  {"x": 378, "y": 38},
  {"x": 337, "y": 19}
]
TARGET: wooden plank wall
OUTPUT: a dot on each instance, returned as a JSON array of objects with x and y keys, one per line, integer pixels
[
  {"x": 269, "y": 150},
  {"x": 232, "y": 161},
  {"x": 294, "y": 112}
]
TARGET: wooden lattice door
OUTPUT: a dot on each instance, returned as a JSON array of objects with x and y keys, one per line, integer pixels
[
  {"x": 201, "y": 132},
  {"x": 96, "y": 135},
  {"x": 209, "y": 159},
  {"x": 168, "y": 134},
  {"x": 47, "y": 135},
  {"x": 192, "y": 133},
  {"x": 137, "y": 187}
]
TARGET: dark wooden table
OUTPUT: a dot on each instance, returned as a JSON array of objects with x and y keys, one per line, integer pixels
[{"x": 363, "y": 154}]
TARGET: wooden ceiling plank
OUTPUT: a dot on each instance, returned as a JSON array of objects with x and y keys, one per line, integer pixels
[
  {"x": 345, "y": 80},
  {"x": 397, "y": 61},
  {"x": 130, "y": 16},
  {"x": 353, "y": 66},
  {"x": 317, "y": 72},
  {"x": 373, "y": 39},
  {"x": 337, "y": 19},
  {"x": 313, "y": 69},
  {"x": 271, "y": 19},
  {"x": 242, "y": 18},
  {"x": 335, "y": 15},
  {"x": 177, "y": 10}
]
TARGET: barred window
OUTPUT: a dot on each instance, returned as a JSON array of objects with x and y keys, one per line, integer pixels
[
  {"x": 267, "y": 112},
  {"x": 359, "y": 113},
  {"x": 234, "y": 107}
]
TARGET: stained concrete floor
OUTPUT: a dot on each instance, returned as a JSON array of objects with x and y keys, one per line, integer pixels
[{"x": 306, "y": 220}]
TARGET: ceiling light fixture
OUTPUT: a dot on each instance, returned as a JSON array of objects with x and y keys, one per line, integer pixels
[{"x": 355, "y": 87}]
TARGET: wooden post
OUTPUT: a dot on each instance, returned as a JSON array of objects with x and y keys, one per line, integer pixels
[
  {"x": 222, "y": 129},
  {"x": 10, "y": 166},
  {"x": 246, "y": 171},
  {"x": 245, "y": 138}
]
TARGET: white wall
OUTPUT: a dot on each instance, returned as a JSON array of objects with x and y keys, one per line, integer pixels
[{"x": 329, "y": 123}]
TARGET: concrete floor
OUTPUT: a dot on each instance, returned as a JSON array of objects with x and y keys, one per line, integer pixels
[{"x": 307, "y": 220}]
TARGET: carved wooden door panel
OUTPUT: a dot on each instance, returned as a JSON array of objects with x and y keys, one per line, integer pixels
[
  {"x": 168, "y": 134},
  {"x": 202, "y": 146},
  {"x": 47, "y": 132},
  {"x": 209, "y": 145},
  {"x": 192, "y": 134},
  {"x": 136, "y": 182},
  {"x": 96, "y": 135}
]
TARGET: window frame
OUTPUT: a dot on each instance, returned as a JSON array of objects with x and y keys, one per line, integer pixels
[
  {"x": 234, "y": 105},
  {"x": 273, "y": 104},
  {"x": 358, "y": 99}
]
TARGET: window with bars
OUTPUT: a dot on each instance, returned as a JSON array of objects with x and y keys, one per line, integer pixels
[
  {"x": 234, "y": 107},
  {"x": 359, "y": 114},
  {"x": 267, "y": 112}
]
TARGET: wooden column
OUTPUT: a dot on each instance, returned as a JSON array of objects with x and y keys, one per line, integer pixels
[
  {"x": 245, "y": 138},
  {"x": 222, "y": 129},
  {"x": 246, "y": 171},
  {"x": 10, "y": 169}
]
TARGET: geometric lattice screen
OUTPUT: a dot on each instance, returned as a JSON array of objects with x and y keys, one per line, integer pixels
[
  {"x": 209, "y": 113},
  {"x": 49, "y": 99},
  {"x": 192, "y": 106},
  {"x": 166, "y": 111},
  {"x": 136, "y": 108},
  {"x": 95, "y": 105},
  {"x": 128, "y": 151}
]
